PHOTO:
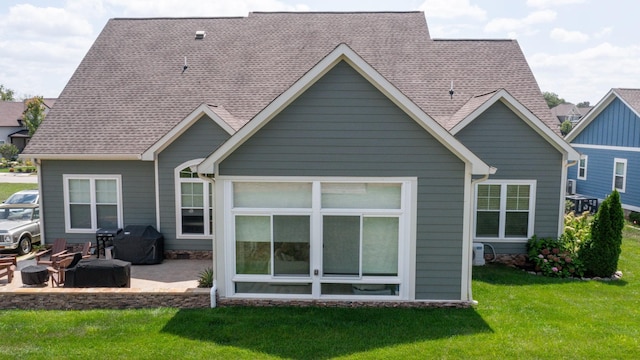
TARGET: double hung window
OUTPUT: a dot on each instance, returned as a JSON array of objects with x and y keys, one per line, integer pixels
[
  {"x": 505, "y": 210},
  {"x": 92, "y": 202},
  {"x": 620, "y": 174},
  {"x": 582, "y": 167}
]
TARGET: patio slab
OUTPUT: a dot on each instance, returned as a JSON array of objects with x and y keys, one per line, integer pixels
[{"x": 168, "y": 276}]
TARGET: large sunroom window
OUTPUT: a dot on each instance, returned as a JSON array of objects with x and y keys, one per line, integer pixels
[{"x": 318, "y": 238}]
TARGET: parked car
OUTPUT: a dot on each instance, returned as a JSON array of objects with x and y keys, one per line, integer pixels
[
  {"x": 24, "y": 197},
  {"x": 19, "y": 227}
]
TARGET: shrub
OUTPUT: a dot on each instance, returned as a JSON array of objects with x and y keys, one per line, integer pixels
[
  {"x": 552, "y": 258},
  {"x": 601, "y": 252},
  {"x": 577, "y": 230},
  {"x": 206, "y": 278},
  {"x": 634, "y": 217},
  {"x": 8, "y": 151}
]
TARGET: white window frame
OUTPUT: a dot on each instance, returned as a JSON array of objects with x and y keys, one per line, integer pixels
[
  {"x": 406, "y": 239},
  {"x": 624, "y": 175},
  {"x": 583, "y": 167},
  {"x": 92, "y": 180},
  {"x": 503, "y": 201},
  {"x": 207, "y": 188}
]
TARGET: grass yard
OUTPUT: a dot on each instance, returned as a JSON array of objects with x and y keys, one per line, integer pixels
[
  {"x": 6, "y": 189},
  {"x": 519, "y": 316}
]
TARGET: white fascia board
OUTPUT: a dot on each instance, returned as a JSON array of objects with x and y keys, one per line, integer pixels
[
  {"x": 527, "y": 116},
  {"x": 179, "y": 129},
  {"x": 344, "y": 53},
  {"x": 585, "y": 121},
  {"x": 80, "y": 156}
]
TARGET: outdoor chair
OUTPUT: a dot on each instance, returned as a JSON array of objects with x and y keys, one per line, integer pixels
[
  {"x": 85, "y": 252},
  {"x": 9, "y": 258},
  {"x": 56, "y": 271},
  {"x": 57, "y": 251},
  {"x": 7, "y": 268}
]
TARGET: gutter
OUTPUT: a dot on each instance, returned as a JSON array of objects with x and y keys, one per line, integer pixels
[
  {"x": 214, "y": 288},
  {"x": 485, "y": 177}
]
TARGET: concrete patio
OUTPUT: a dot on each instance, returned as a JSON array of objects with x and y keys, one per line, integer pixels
[{"x": 172, "y": 283}]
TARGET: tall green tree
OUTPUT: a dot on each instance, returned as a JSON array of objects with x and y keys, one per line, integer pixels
[
  {"x": 6, "y": 94},
  {"x": 552, "y": 99},
  {"x": 566, "y": 127},
  {"x": 33, "y": 115},
  {"x": 601, "y": 253},
  {"x": 583, "y": 104}
]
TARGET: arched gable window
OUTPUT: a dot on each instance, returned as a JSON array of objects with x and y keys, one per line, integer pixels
[{"x": 194, "y": 203}]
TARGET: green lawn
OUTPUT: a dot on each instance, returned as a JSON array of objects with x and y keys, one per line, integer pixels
[
  {"x": 6, "y": 189},
  {"x": 519, "y": 316}
]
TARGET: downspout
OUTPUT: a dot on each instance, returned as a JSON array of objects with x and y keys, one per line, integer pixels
[
  {"x": 485, "y": 177},
  {"x": 214, "y": 287}
]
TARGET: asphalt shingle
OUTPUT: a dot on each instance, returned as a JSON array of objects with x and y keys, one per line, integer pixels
[{"x": 130, "y": 89}]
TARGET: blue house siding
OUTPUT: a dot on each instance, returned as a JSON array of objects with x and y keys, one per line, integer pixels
[
  {"x": 195, "y": 143},
  {"x": 599, "y": 182},
  {"x": 616, "y": 125},
  {"x": 613, "y": 133},
  {"x": 503, "y": 140},
  {"x": 343, "y": 126},
  {"x": 138, "y": 193}
]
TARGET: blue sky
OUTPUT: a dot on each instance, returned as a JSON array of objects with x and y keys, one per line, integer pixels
[{"x": 579, "y": 49}]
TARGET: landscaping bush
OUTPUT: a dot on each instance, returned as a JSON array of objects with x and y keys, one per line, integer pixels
[
  {"x": 552, "y": 258},
  {"x": 558, "y": 257},
  {"x": 600, "y": 253},
  {"x": 206, "y": 278},
  {"x": 634, "y": 218},
  {"x": 8, "y": 151}
]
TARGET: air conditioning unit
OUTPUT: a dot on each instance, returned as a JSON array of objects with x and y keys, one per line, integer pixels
[
  {"x": 571, "y": 187},
  {"x": 478, "y": 254}
]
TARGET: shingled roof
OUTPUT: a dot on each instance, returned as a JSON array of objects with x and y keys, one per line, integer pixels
[
  {"x": 130, "y": 89},
  {"x": 631, "y": 97}
]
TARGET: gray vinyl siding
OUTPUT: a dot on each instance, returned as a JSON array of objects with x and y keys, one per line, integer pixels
[
  {"x": 343, "y": 126},
  {"x": 138, "y": 193},
  {"x": 503, "y": 140},
  {"x": 199, "y": 141}
]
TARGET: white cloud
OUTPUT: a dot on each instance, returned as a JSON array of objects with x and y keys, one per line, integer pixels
[
  {"x": 30, "y": 21},
  {"x": 151, "y": 8},
  {"x": 567, "y": 36},
  {"x": 551, "y": 3},
  {"x": 448, "y": 9},
  {"x": 512, "y": 25},
  {"x": 588, "y": 74},
  {"x": 604, "y": 32}
]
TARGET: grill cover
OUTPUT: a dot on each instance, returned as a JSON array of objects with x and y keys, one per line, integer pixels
[
  {"x": 139, "y": 245},
  {"x": 99, "y": 273}
]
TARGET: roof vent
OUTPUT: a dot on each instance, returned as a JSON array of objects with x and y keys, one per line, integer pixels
[{"x": 200, "y": 34}]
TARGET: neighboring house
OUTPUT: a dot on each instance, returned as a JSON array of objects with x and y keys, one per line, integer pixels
[
  {"x": 12, "y": 128},
  {"x": 318, "y": 155},
  {"x": 570, "y": 112},
  {"x": 608, "y": 139}
]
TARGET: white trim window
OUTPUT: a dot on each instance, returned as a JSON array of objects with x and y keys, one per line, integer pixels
[
  {"x": 582, "y": 167},
  {"x": 505, "y": 210},
  {"x": 194, "y": 203},
  {"x": 329, "y": 239},
  {"x": 92, "y": 202},
  {"x": 619, "y": 174}
]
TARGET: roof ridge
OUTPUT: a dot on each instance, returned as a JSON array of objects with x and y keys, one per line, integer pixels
[
  {"x": 335, "y": 12},
  {"x": 180, "y": 18},
  {"x": 496, "y": 40}
]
